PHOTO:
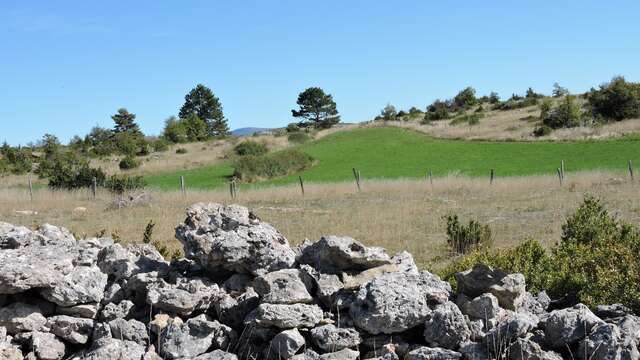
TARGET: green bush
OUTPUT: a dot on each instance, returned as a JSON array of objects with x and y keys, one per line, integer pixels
[
  {"x": 463, "y": 239},
  {"x": 542, "y": 130},
  {"x": 292, "y": 127},
  {"x": 516, "y": 102},
  {"x": 181, "y": 151},
  {"x": 15, "y": 160},
  {"x": 160, "y": 145},
  {"x": 567, "y": 114},
  {"x": 471, "y": 119},
  {"x": 250, "y": 147},
  {"x": 128, "y": 163},
  {"x": 298, "y": 137},
  {"x": 252, "y": 168},
  {"x": 595, "y": 262},
  {"x": 121, "y": 183},
  {"x": 465, "y": 98},
  {"x": 616, "y": 100},
  {"x": 70, "y": 172}
]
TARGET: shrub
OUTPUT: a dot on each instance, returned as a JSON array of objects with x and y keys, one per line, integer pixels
[
  {"x": 121, "y": 183},
  {"x": 542, "y": 130},
  {"x": 251, "y": 168},
  {"x": 250, "y": 147},
  {"x": 389, "y": 112},
  {"x": 70, "y": 172},
  {"x": 160, "y": 145},
  {"x": 15, "y": 160},
  {"x": 566, "y": 115},
  {"x": 616, "y": 100},
  {"x": 516, "y": 102},
  {"x": 465, "y": 98},
  {"x": 174, "y": 131},
  {"x": 292, "y": 127},
  {"x": 128, "y": 163},
  {"x": 471, "y": 119},
  {"x": 298, "y": 137},
  {"x": 439, "y": 110},
  {"x": 545, "y": 108},
  {"x": 559, "y": 91},
  {"x": 463, "y": 239},
  {"x": 181, "y": 151}
]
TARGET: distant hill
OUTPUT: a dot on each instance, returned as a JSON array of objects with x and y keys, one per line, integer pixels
[{"x": 248, "y": 131}]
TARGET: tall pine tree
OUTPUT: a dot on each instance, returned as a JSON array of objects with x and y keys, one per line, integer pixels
[
  {"x": 202, "y": 102},
  {"x": 316, "y": 108},
  {"x": 125, "y": 122}
]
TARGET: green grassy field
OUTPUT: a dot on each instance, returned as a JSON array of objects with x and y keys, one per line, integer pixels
[{"x": 390, "y": 152}]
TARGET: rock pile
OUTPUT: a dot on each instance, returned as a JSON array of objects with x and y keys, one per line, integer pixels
[{"x": 244, "y": 293}]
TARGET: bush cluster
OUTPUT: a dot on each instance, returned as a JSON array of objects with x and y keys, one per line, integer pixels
[
  {"x": 128, "y": 163},
  {"x": 251, "y": 168},
  {"x": 122, "y": 183},
  {"x": 464, "y": 239},
  {"x": 69, "y": 172},
  {"x": 595, "y": 262},
  {"x": 14, "y": 160},
  {"x": 567, "y": 114},
  {"x": 616, "y": 100},
  {"x": 250, "y": 147},
  {"x": 298, "y": 137}
]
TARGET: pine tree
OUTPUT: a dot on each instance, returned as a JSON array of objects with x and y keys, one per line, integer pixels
[
  {"x": 125, "y": 122},
  {"x": 316, "y": 108},
  {"x": 203, "y": 103}
]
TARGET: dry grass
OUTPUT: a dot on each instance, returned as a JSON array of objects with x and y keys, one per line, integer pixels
[{"x": 399, "y": 214}]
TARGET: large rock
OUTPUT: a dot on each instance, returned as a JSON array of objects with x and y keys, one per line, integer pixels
[
  {"x": 288, "y": 316},
  {"x": 606, "y": 341},
  {"x": 567, "y": 326},
  {"x": 344, "y": 354},
  {"x": 483, "y": 307},
  {"x": 13, "y": 237},
  {"x": 130, "y": 330},
  {"x": 84, "y": 284},
  {"x": 194, "y": 337},
  {"x": 74, "y": 330},
  {"x": 217, "y": 355},
  {"x": 32, "y": 267},
  {"x": 232, "y": 311},
  {"x": 446, "y": 327},
  {"x": 112, "y": 349},
  {"x": 331, "y": 338},
  {"x": 508, "y": 288},
  {"x": 282, "y": 287},
  {"x": 427, "y": 353},
  {"x": 124, "y": 262},
  {"x": 184, "y": 297},
  {"x": 232, "y": 238},
  {"x": 20, "y": 317},
  {"x": 46, "y": 346},
  {"x": 396, "y": 302},
  {"x": 334, "y": 254},
  {"x": 524, "y": 349},
  {"x": 511, "y": 328},
  {"x": 286, "y": 344}
]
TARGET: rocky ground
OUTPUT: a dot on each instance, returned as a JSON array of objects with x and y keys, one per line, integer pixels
[{"x": 244, "y": 293}]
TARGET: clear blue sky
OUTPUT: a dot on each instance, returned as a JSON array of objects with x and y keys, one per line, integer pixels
[{"x": 66, "y": 66}]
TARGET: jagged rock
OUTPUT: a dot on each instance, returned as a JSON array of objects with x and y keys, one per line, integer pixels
[
  {"x": 287, "y": 343},
  {"x": 31, "y": 267},
  {"x": 607, "y": 342},
  {"x": 426, "y": 353},
  {"x": 88, "y": 250},
  {"x": 74, "y": 330},
  {"x": 151, "y": 354},
  {"x": 122, "y": 310},
  {"x": 10, "y": 352},
  {"x": 217, "y": 355},
  {"x": 131, "y": 330},
  {"x": 184, "y": 297},
  {"x": 21, "y": 317},
  {"x": 282, "y": 287},
  {"x": 629, "y": 326},
  {"x": 396, "y": 302},
  {"x": 232, "y": 238},
  {"x": 508, "y": 288},
  {"x": 333, "y": 254},
  {"x": 232, "y": 311},
  {"x": 474, "y": 351},
  {"x": 568, "y": 326},
  {"x": 161, "y": 321},
  {"x": 288, "y": 316},
  {"x": 515, "y": 326},
  {"x": 13, "y": 237},
  {"x": 46, "y": 346},
  {"x": 87, "y": 311},
  {"x": 307, "y": 355},
  {"x": 238, "y": 283},
  {"x": 612, "y": 311},
  {"x": 523, "y": 349},
  {"x": 483, "y": 307},
  {"x": 194, "y": 337},
  {"x": 84, "y": 284},
  {"x": 344, "y": 354},
  {"x": 123, "y": 262},
  {"x": 536, "y": 305},
  {"x": 331, "y": 338},
  {"x": 404, "y": 263},
  {"x": 113, "y": 349},
  {"x": 446, "y": 327},
  {"x": 100, "y": 335}
]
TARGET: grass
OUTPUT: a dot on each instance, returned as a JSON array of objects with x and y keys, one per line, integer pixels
[
  {"x": 396, "y": 214},
  {"x": 392, "y": 153}
]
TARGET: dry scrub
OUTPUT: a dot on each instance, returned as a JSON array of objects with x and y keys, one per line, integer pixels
[{"x": 399, "y": 214}]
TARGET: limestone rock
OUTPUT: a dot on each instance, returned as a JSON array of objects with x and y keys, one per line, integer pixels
[
  {"x": 130, "y": 330},
  {"x": 31, "y": 267},
  {"x": 607, "y": 342},
  {"x": 74, "y": 330},
  {"x": 331, "y": 338},
  {"x": 84, "y": 284},
  {"x": 508, "y": 288},
  {"x": 344, "y": 354},
  {"x": 287, "y": 343},
  {"x": 482, "y": 307},
  {"x": 217, "y": 355},
  {"x": 21, "y": 317},
  {"x": 288, "y": 316},
  {"x": 194, "y": 337},
  {"x": 184, "y": 297},
  {"x": 282, "y": 287},
  {"x": 113, "y": 349},
  {"x": 446, "y": 327},
  {"x": 426, "y": 353},
  {"x": 46, "y": 346},
  {"x": 334, "y": 254},
  {"x": 568, "y": 326},
  {"x": 523, "y": 349}
]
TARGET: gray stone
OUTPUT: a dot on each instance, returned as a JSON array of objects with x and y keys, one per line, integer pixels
[
  {"x": 124, "y": 262},
  {"x": 232, "y": 311},
  {"x": 20, "y": 317},
  {"x": 396, "y": 302},
  {"x": 113, "y": 349},
  {"x": 446, "y": 327},
  {"x": 122, "y": 310},
  {"x": 307, "y": 355},
  {"x": 426, "y": 353},
  {"x": 515, "y": 326},
  {"x": 482, "y": 307},
  {"x": 285, "y": 316},
  {"x": 607, "y": 342},
  {"x": 334, "y": 254},
  {"x": 612, "y": 311},
  {"x": 282, "y": 287},
  {"x": 344, "y": 354},
  {"x": 84, "y": 284},
  {"x": 568, "y": 326},
  {"x": 74, "y": 330},
  {"x": 232, "y": 238},
  {"x": 46, "y": 346},
  {"x": 524, "y": 349},
  {"x": 238, "y": 283},
  {"x": 87, "y": 311},
  {"x": 287, "y": 343},
  {"x": 508, "y": 288},
  {"x": 131, "y": 330},
  {"x": 331, "y": 338},
  {"x": 13, "y": 237},
  {"x": 184, "y": 297},
  {"x": 217, "y": 355},
  {"x": 473, "y": 351},
  {"x": 31, "y": 267},
  {"x": 194, "y": 337}
]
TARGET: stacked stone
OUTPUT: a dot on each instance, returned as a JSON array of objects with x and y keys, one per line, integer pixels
[{"x": 244, "y": 293}]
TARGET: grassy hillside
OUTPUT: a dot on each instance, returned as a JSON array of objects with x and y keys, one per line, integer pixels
[{"x": 391, "y": 152}]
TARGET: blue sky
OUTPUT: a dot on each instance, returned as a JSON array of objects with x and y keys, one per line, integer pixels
[{"x": 66, "y": 66}]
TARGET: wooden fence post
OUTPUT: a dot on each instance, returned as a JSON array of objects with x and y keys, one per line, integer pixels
[
  {"x": 431, "y": 177},
  {"x": 560, "y": 176},
  {"x": 356, "y": 175},
  {"x": 182, "y": 188},
  {"x": 491, "y": 177},
  {"x": 301, "y": 185},
  {"x": 94, "y": 187},
  {"x": 562, "y": 169},
  {"x": 630, "y": 170},
  {"x": 30, "y": 189},
  {"x": 231, "y": 188}
]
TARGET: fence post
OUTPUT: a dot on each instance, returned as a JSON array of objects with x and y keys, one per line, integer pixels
[
  {"x": 491, "y": 177},
  {"x": 231, "y": 188},
  {"x": 562, "y": 168},
  {"x": 631, "y": 170},
  {"x": 431, "y": 177},
  {"x": 301, "y": 185},
  {"x": 94, "y": 187},
  {"x": 356, "y": 175},
  {"x": 182, "y": 188},
  {"x": 30, "y": 189},
  {"x": 235, "y": 189},
  {"x": 560, "y": 176}
]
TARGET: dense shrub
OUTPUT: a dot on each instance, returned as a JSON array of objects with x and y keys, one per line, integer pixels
[
  {"x": 70, "y": 172},
  {"x": 516, "y": 102},
  {"x": 566, "y": 115},
  {"x": 463, "y": 239},
  {"x": 251, "y": 168},
  {"x": 292, "y": 127},
  {"x": 181, "y": 151},
  {"x": 471, "y": 119},
  {"x": 388, "y": 113},
  {"x": 250, "y": 147},
  {"x": 15, "y": 160},
  {"x": 595, "y": 262},
  {"x": 439, "y": 110},
  {"x": 616, "y": 100},
  {"x": 542, "y": 130},
  {"x": 160, "y": 145},
  {"x": 128, "y": 163},
  {"x": 298, "y": 137},
  {"x": 465, "y": 98},
  {"x": 122, "y": 183}
]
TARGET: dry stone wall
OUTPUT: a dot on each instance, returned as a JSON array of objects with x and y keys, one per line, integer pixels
[{"x": 243, "y": 292}]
